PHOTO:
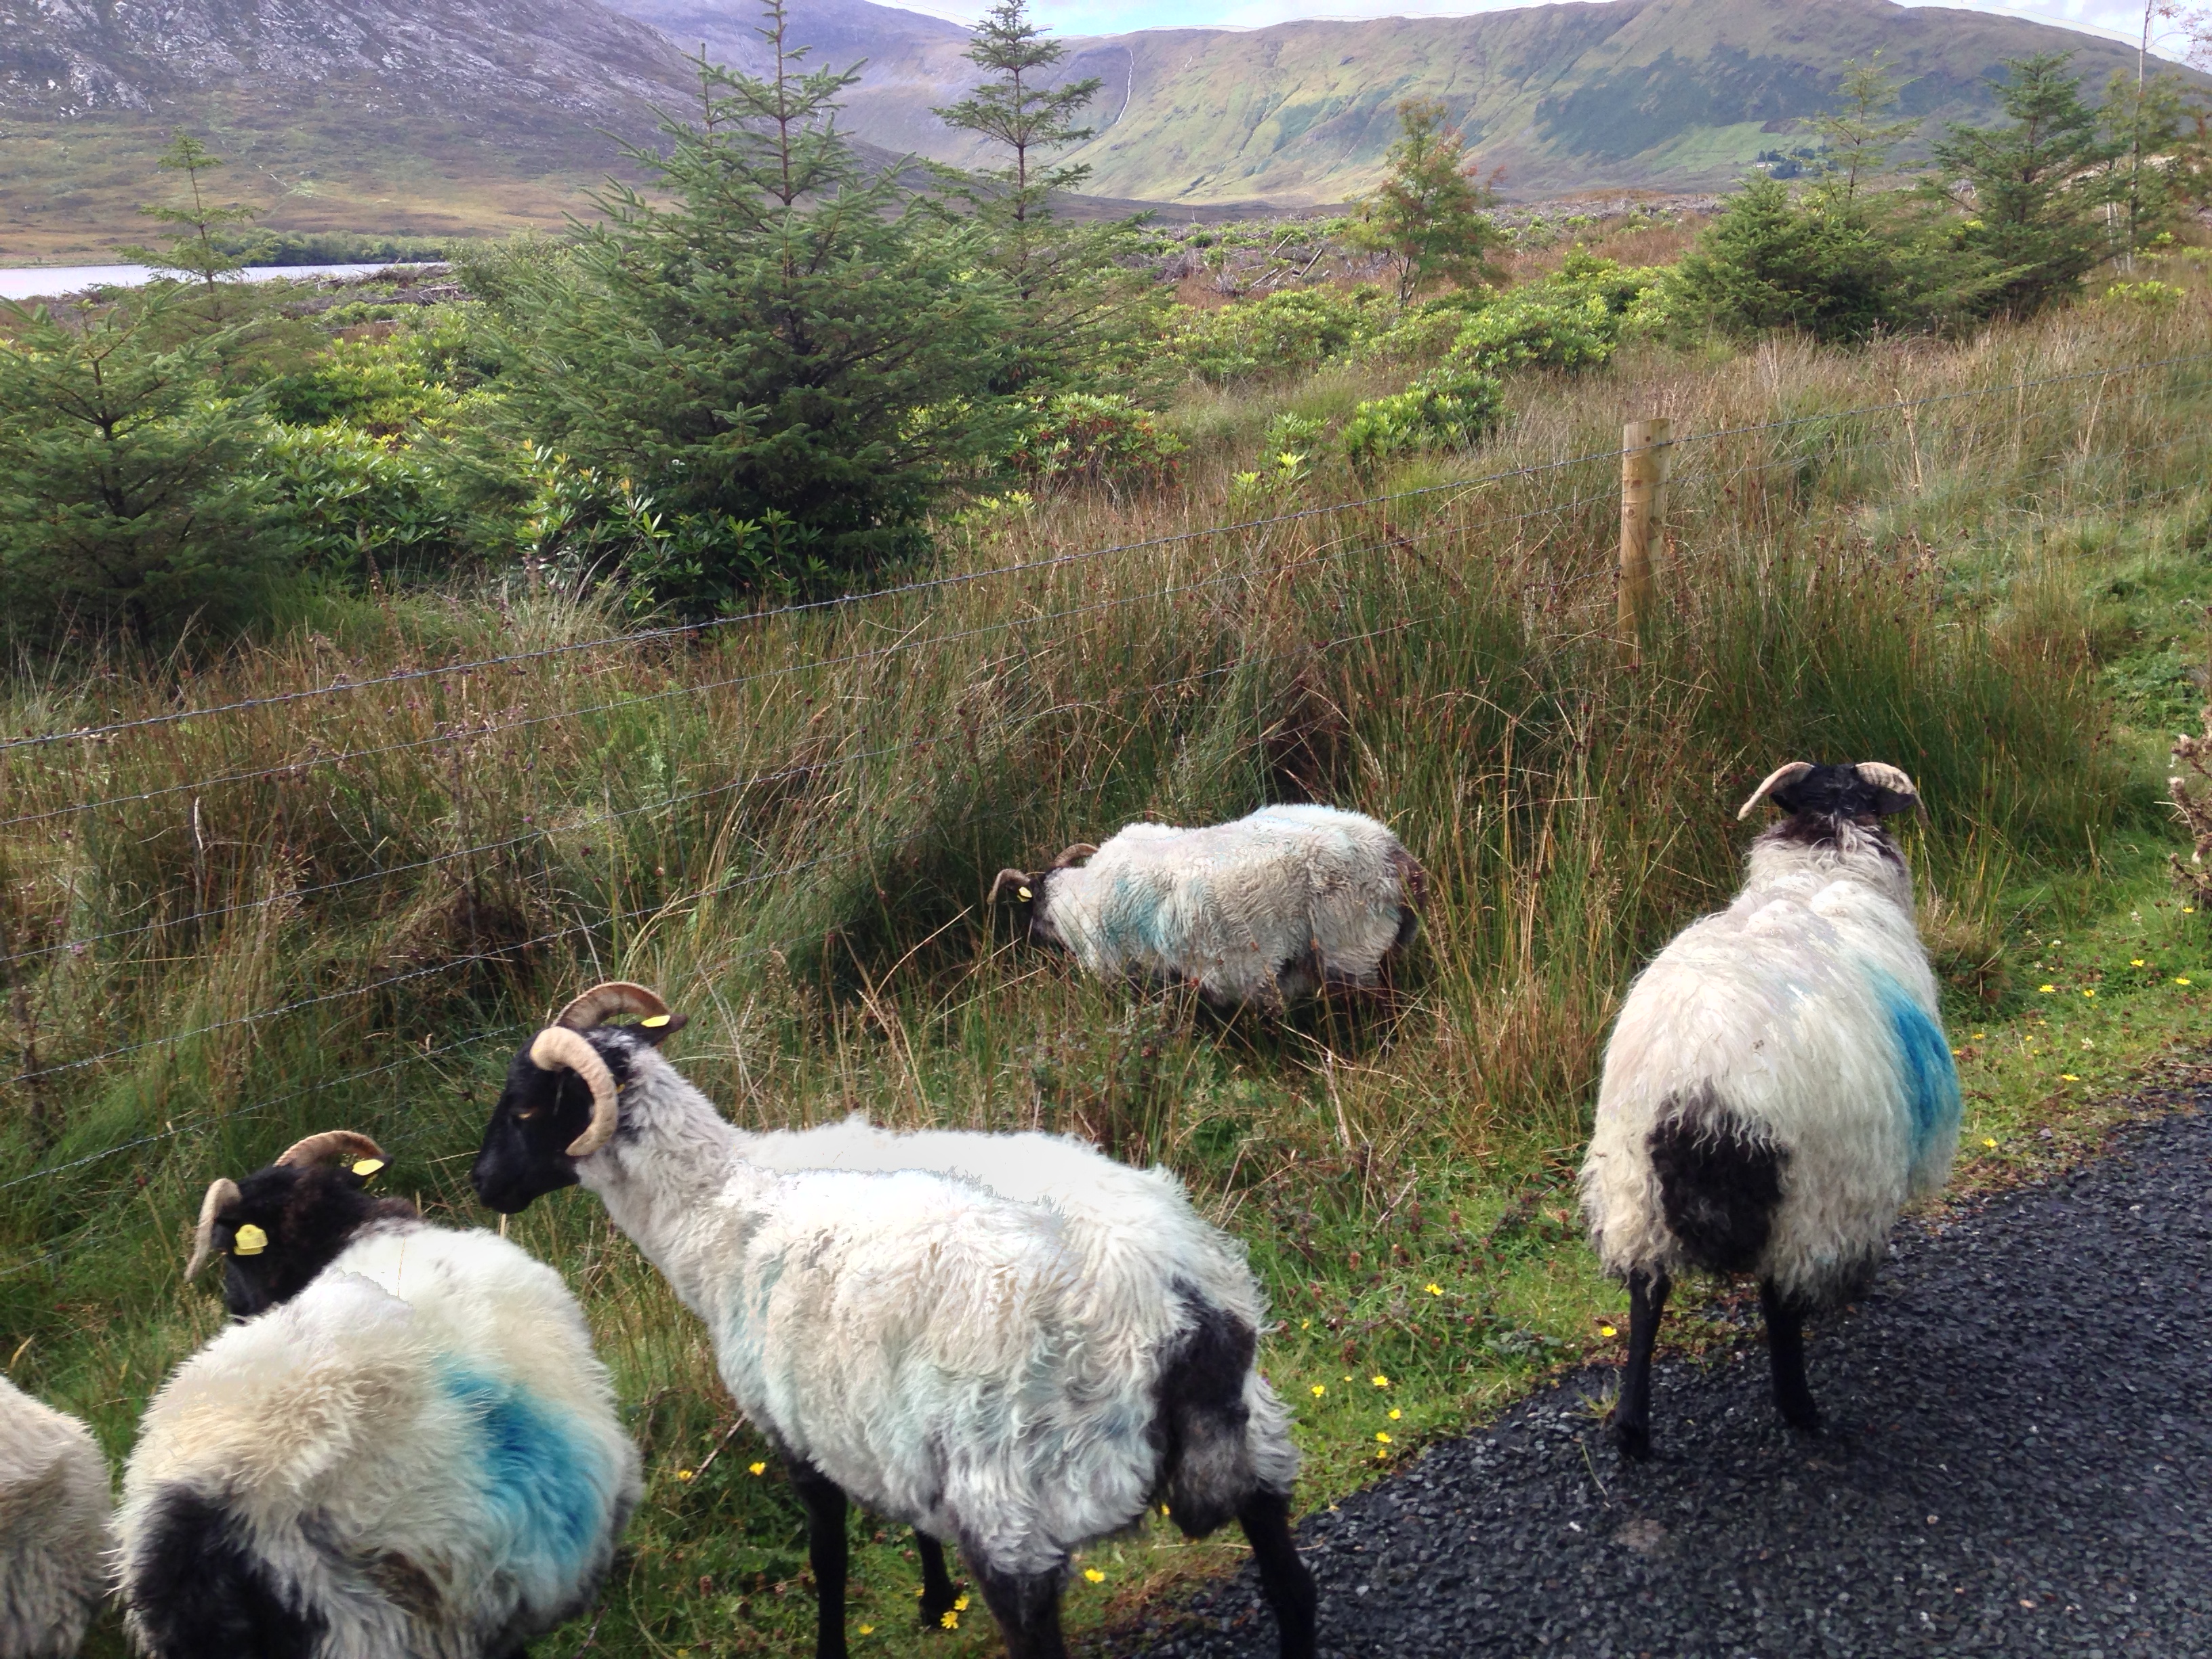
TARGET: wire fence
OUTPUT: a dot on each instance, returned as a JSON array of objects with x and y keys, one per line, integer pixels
[{"x": 133, "y": 898}]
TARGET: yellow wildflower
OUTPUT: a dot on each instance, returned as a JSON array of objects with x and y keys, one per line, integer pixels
[
  {"x": 867, "y": 1629},
  {"x": 2088, "y": 990},
  {"x": 1607, "y": 1330},
  {"x": 683, "y": 1474},
  {"x": 2136, "y": 962},
  {"x": 2067, "y": 1077},
  {"x": 1380, "y": 1380},
  {"x": 756, "y": 1468},
  {"x": 1393, "y": 1413},
  {"x": 1434, "y": 1290},
  {"x": 1094, "y": 1574},
  {"x": 1986, "y": 1142},
  {"x": 960, "y": 1604},
  {"x": 949, "y": 1620},
  {"x": 1383, "y": 1437},
  {"x": 1319, "y": 1388},
  {"x": 2182, "y": 980},
  {"x": 2046, "y": 989}
]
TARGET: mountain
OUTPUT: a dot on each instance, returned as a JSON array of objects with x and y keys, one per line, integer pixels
[
  {"x": 440, "y": 117},
  {"x": 1681, "y": 94},
  {"x": 425, "y": 116}
]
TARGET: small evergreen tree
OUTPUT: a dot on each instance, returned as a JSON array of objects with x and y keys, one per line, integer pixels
[
  {"x": 774, "y": 345},
  {"x": 2141, "y": 122},
  {"x": 2029, "y": 188},
  {"x": 1429, "y": 215},
  {"x": 131, "y": 489},
  {"x": 1859, "y": 140},
  {"x": 1017, "y": 109},
  {"x": 1769, "y": 262},
  {"x": 190, "y": 251}
]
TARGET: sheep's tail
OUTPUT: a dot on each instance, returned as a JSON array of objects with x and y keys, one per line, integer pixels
[
  {"x": 1223, "y": 1435},
  {"x": 195, "y": 1585}
]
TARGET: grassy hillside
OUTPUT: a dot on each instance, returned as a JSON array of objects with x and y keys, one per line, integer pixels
[
  {"x": 1682, "y": 93},
  {"x": 349, "y": 907}
]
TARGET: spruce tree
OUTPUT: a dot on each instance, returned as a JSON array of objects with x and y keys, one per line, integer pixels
[
  {"x": 2029, "y": 188},
  {"x": 190, "y": 251},
  {"x": 1019, "y": 109},
  {"x": 1859, "y": 140},
  {"x": 1428, "y": 215},
  {"x": 777, "y": 345}
]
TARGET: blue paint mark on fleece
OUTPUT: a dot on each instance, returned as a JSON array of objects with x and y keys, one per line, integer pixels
[
  {"x": 538, "y": 1480},
  {"x": 1931, "y": 1081}
]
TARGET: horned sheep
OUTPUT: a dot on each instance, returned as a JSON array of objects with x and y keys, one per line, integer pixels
[
  {"x": 53, "y": 1527},
  {"x": 915, "y": 1341},
  {"x": 404, "y": 1445},
  {"x": 1777, "y": 1085},
  {"x": 1262, "y": 911}
]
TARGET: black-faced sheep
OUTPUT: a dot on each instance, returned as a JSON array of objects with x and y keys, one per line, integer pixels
[
  {"x": 1262, "y": 911},
  {"x": 1777, "y": 1085},
  {"x": 53, "y": 1527},
  {"x": 405, "y": 1446},
  {"x": 914, "y": 1341}
]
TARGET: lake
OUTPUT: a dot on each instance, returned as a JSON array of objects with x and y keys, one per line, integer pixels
[{"x": 42, "y": 282}]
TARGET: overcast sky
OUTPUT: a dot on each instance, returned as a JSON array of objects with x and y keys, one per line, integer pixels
[{"x": 2113, "y": 17}]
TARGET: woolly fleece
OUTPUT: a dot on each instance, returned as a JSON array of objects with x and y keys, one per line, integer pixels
[{"x": 53, "y": 1527}]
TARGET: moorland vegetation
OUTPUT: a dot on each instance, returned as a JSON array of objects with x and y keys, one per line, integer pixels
[{"x": 518, "y": 619}]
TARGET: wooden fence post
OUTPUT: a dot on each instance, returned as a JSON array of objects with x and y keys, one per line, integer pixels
[{"x": 1646, "y": 448}]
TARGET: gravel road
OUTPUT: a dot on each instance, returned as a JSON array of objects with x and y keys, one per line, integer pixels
[{"x": 2018, "y": 1461}]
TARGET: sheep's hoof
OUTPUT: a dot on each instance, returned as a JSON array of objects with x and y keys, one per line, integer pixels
[{"x": 1634, "y": 1440}]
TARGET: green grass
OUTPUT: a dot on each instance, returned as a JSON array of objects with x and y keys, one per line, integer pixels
[{"x": 787, "y": 825}]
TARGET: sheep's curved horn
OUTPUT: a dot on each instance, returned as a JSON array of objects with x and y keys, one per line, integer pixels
[
  {"x": 998, "y": 886},
  {"x": 557, "y": 1047},
  {"x": 614, "y": 996},
  {"x": 1082, "y": 849},
  {"x": 1775, "y": 779},
  {"x": 1882, "y": 775},
  {"x": 219, "y": 1193},
  {"x": 331, "y": 1143}
]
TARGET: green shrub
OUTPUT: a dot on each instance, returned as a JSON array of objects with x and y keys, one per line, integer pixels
[
  {"x": 1290, "y": 331},
  {"x": 355, "y": 504},
  {"x": 1538, "y": 328},
  {"x": 1089, "y": 438},
  {"x": 1452, "y": 408}
]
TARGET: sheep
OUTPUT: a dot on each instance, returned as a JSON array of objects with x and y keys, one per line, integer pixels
[
  {"x": 403, "y": 1445},
  {"x": 1263, "y": 911},
  {"x": 53, "y": 1527},
  {"x": 914, "y": 1340},
  {"x": 1132, "y": 1228},
  {"x": 1777, "y": 1084}
]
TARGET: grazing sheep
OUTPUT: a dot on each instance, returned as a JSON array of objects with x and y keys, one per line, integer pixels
[
  {"x": 1265, "y": 911},
  {"x": 1132, "y": 1229},
  {"x": 53, "y": 1527},
  {"x": 1777, "y": 1085},
  {"x": 912, "y": 1340},
  {"x": 405, "y": 1447}
]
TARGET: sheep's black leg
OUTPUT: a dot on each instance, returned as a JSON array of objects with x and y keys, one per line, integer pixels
[
  {"x": 1283, "y": 1580},
  {"x": 1785, "y": 1351},
  {"x": 1631, "y": 1415},
  {"x": 825, "y": 1553},
  {"x": 1027, "y": 1607},
  {"x": 937, "y": 1592}
]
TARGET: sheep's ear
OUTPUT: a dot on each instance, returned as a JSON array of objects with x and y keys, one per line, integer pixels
[
  {"x": 657, "y": 1028},
  {"x": 1892, "y": 789},
  {"x": 1081, "y": 850}
]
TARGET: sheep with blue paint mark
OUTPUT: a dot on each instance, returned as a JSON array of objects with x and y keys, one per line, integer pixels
[
  {"x": 403, "y": 1445},
  {"x": 915, "y": 1341},
  {"x": 1262, "y": 911},
  {"x": 53, "y": 1527},
  {"x": 1778, "y": 1086}
]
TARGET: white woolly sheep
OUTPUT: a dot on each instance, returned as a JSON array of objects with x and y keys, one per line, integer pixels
[
  {"x": 1777, "y": 1085},
  {"x": 1132, "y": 1229},
  {"x": 53, "y": 1527},
  {"x": 408, "y": 1447},
  {"x": 1264, "y": 910},
  {"x": 914, "y": 1341}
]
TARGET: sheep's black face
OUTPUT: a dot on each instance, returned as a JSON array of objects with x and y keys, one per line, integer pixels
[
  {"x": 294, "y": 1222},
  {"x": 525, "y": 1152},
  {"x": 1032, "y": 916},
  {"x": 1839, "y": 792}
]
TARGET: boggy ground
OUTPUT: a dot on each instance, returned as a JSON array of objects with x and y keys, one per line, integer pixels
[{"x": 2015, "y": 1462}]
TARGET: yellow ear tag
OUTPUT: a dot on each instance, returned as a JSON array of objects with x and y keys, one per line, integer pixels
[
  {"x": 367, "y": 1167},
  {"x": 1023, "y": 891},
  {"x": 249, "y": 1240},
  {"x": 654, "y": 1022}
]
